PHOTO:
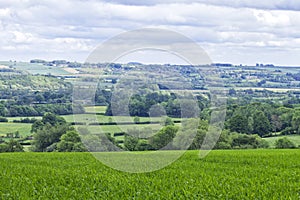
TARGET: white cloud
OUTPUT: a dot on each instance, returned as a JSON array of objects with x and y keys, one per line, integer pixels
[
  {"x": 52, "y": 29},
  {"x": 272, "y": 19}
]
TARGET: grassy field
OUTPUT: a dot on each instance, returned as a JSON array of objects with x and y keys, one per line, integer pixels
[
  {"x": 24, "y": 129},
  {"x": 294, "y": 138},
  {"x": 247, "y": 174},
  {"x": 95, "y": 109},
  {"x": 35, "y": 68},
  {"x": 10, "y": 119},
  {"x": 120, "y": 128},
  {"x": 89, "y": 118}
]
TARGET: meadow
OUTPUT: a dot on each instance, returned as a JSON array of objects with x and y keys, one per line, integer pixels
[
  {"x": 24, "y": 129},
  {"x": 231, "y": 174}
]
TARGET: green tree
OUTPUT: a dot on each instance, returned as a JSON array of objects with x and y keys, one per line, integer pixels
[
  {"x": 11, "y": 146},
  {"x": 168, "y": 122},
  {"x": 163, "y": 137},
  {"x": 261, "y": 124},
  {"x": 238, "y": 123},
  {"x": 70, "y": 142},
  {"x": 136, "y": 119},
  {"x": 48, "y": 131},
  {"x": 131, "y": 142},
  {"x": 296, "y": 122}
]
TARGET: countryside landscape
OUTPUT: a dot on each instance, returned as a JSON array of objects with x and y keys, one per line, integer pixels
[
  {"x": 150, "y": 100},
  {"x": 258, "y": 146}
]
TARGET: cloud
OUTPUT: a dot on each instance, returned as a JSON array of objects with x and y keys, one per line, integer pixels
[
  {"x": 72, "y": 29},
  {"x": 256, "y": 4},
  {"x": 269, "y": 19}
]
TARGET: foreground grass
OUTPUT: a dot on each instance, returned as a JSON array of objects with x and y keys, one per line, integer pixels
[{"x": 249, "y": 174}]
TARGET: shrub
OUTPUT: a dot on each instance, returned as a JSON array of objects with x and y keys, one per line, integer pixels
[
  {"x": 284, "y": 143},
  {"x": 3, "y": 119}
]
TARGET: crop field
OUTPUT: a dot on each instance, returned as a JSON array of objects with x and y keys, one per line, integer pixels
[
  {"x": 247, "y": 174},
  {"x": 24, "y": 129},
  {"x": 294, "y": 138}
]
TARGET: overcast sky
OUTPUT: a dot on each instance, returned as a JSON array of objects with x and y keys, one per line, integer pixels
[{"x": 234, "y": 31}]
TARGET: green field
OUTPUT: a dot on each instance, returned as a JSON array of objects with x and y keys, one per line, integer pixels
[
  {"x": 95, "y": 109},
  {"x": 10, "y": 119},
  {"x": 121, "y": 128},
  {"x": 247, "y": 174},
  {"x": 152, "y": 128},
  {"x": 24, "y": 129},
  {"x": 89, "y": 118},
  {"x": 35, "y": 68},
  {"x": 294, "y": 138}
]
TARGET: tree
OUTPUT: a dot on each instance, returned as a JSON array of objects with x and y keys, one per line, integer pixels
[
  {"x": 11, "y": 146},
  {"x": 284, "y": 143},
  {"x": 136, "y": 120},
  {"x": 261, "y": 124},
  {"x": 163, "y": 137},
  {"x": 168, "y": 122},
  {"x": 131, "y": 142},
  {"x": 48, "y": 135},
  {"x": 296, "y": 122},
  {"x": 70, "y": 142},
  {"x": 238, "y": 123},
  {"x": 48, "y": 131}
]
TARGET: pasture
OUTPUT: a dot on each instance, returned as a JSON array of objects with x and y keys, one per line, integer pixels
[
  {"x": 95, "y": 109},
  {"x": 24, "y": 129},
  {"x": 229, "y": 174}
]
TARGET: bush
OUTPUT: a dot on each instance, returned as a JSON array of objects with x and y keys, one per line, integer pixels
[
  {"x": 119, "y": 134},
  {"x": 284, "y": 143},
  {"x": 3, "y": 119},
  {"x": 25, "y": 120},
  {"x": 11, "y": 146}
]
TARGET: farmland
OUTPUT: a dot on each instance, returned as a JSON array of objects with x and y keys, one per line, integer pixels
[
  {"x": 24, "y": 129},
  {"x": 245, "y": 174}
]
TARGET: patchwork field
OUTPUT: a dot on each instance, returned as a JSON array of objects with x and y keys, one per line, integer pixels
[{"x": 244, "y": 174}]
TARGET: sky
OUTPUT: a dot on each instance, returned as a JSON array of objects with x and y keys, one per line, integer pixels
[{"x": 229, "y": 31}]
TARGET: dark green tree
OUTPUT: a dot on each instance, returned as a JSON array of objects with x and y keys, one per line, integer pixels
[
  {"x": 261, "y": 124},
  {"x": 238, "y": 123},
  {"x": 48, "y": 131}
]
